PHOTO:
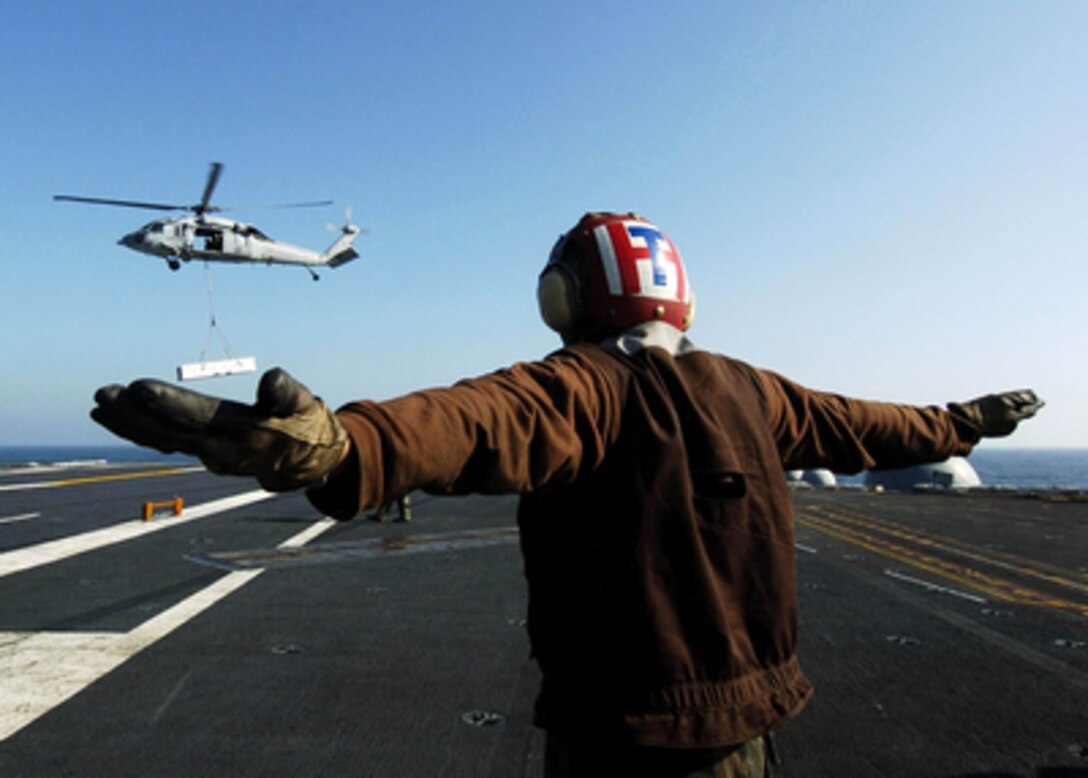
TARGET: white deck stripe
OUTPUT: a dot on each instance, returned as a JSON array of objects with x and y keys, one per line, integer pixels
[
  {"x": 934, "y": 587},
  {"x": 21, "y": 559},
  {"x": 39, "y": 671},
  {"x": 26, "y": 486},
  {"x": 20, "y": 517}
]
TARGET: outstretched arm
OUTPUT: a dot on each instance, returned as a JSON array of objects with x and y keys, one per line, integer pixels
[
  {"x": 821, "y": 429},
  {"x": 514, "y": 430}
]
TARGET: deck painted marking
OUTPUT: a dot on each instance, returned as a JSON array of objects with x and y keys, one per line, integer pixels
[
  {"x": 97, "y": 479},
  {"x": 41, "y": 670},
  {"x": 929, "y": 586},
  {"x": 20, "y": 559},
  {"x": 369, "y": 548},
  {"x": 836, "y": 525},
  {"x": 19, "y": 517}
]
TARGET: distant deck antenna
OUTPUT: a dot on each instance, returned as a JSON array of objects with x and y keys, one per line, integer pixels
[{"x": 222, "y": 367}]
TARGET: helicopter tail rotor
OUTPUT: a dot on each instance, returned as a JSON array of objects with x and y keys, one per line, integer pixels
[{"x": 347, "y": 228}]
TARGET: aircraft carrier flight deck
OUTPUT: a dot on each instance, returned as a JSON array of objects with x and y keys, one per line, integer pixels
[{"x": 946, "y": 633}]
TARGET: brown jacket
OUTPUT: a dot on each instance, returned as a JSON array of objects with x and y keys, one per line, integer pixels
[{"x": 656, "y": 523}]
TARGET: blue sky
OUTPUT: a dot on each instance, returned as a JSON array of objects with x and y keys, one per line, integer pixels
[{"x": 887, "y": 200}]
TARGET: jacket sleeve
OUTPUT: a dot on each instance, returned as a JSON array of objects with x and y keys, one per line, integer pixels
[
  {"x": 516, "y": 430},
  {"x": 847, "y": 435}
]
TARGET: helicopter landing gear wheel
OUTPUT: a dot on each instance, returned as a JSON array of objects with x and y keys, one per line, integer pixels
[{"x": 173, "y": 264}]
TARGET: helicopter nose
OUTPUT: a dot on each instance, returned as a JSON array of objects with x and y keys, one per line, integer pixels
[{"x": 131, "y": 240}]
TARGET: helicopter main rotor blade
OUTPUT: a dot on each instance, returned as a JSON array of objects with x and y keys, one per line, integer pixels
[
  {"x": 126, "y": 203},
  {"x": 213, "y": 179},
  {"x": 274, "y": 206},
  {"x": 199, "y": 209},
  {"x": 313, "y": 204}
]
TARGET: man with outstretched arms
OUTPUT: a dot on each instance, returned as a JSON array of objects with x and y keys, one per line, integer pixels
[{"x": 655, "y": 520}]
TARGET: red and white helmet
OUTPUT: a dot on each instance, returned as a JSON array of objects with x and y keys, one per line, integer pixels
[{"x": 611, "y": 272}]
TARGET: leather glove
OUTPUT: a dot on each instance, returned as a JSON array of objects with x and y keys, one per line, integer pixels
[
  {"x": 996, "y": 415},
  {"x": 288, "y": 440}
]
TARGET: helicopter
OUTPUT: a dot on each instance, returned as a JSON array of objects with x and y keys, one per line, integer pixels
[{"x": 215, "y": 239}]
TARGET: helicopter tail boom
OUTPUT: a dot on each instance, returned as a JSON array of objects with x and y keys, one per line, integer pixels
[{"x": 341, "y": 251}]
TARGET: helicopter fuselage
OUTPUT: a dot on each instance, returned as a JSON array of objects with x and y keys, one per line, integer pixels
[{"x": 215, "y": 239}]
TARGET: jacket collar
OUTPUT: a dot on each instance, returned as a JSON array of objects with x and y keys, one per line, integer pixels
[{"x": 654, "y": 333}]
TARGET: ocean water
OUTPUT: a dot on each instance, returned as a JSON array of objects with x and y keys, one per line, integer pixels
[
  {"x": 1028, "y": 468},
  {"x": 1032, "y": 468}
]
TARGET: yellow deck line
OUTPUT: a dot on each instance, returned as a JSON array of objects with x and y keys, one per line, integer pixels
[
  {"x": 1017, "y": 564},
  {"x": 95, "y": 479},
  {"x": 993, "y": 586}
]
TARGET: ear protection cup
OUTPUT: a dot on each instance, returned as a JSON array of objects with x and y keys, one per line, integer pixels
[{"x": 557, "y": 296}]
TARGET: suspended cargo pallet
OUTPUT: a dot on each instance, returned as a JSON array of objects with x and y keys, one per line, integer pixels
[
  {"x": 222, "y": 367},
  {"x": 205, "y": 368}
]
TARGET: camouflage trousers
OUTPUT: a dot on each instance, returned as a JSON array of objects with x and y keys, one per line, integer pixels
[{"x": 563, "y": 760}]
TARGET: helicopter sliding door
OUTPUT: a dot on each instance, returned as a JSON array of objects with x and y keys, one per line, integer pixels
[{"x": 210, "y": 240}]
